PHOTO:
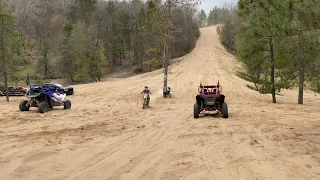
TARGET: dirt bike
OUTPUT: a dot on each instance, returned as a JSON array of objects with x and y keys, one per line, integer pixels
[{"x": 145, "y": 100}]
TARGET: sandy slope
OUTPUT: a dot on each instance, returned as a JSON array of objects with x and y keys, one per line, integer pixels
[{"x": 107, "y": 135}]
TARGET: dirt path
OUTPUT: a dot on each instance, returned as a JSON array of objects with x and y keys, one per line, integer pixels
[{"x": 107, "y": 134}]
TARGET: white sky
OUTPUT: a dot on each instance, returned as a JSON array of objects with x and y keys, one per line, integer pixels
[{"x": 207, "y": 5}]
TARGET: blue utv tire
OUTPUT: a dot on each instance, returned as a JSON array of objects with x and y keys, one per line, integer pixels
[
  {"x": 23, "y": 105},
  {"x": 67, "y": 104},
  {"x": 43, "y": 107}
]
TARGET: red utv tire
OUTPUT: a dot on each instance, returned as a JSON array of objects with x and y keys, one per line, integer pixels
[
  {"x": 196, "y": 110},
  {"x": 224, "y": 110}
]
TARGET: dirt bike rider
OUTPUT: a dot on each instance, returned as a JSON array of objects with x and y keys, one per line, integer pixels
[{"x": 146, "y": 91}]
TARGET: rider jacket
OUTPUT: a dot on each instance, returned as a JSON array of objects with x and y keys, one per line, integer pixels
[{"x": 146, "y": 91}]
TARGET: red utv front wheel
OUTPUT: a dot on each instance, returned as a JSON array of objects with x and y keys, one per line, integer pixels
[
  {"x": 224, "y": 110},
  {"x": 196, "y": 110}
]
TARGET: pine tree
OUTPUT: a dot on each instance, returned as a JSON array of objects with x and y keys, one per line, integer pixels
[
  {"x": 82, "y": 10},
  {"x": 155, "y": 31},
  {"x": 114, "y": 46},
  {"x": 202, "y": 18},
  {"x": 88, "y": 57},
  {"x": 214, "y": 16},
  {"x": 9, "y": 43},
  {"x": 264, "y": 26},
  {"x": 304, "y": 34},
  {"x": 67, "y": 60}
]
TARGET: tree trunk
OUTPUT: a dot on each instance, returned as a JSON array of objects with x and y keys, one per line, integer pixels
[
  {"x": 39, "y": 47},
  {"x": 4, "y": 66},
  {"x": 165, "y": 64},
  {"x": 110, "y": 45},
  {"x": 255, "y": 84},
  {"x": 5, "y": 79},
  {"x": 272, "y": 80},
  {"x": 71, "y": 77},
  {"x": 166, "y": 49},
  {"x": 301, "y": 84},
  {"x": 130, "y": 59},
  {"x": 92, "y": 77},
  {"x": 110, "y": 56},
  {"x": 301, "y": 77},
  {"x": 129, "y": 49},
  {"x": 258, "y": 75},
  {"x": 45, "y": 65}
]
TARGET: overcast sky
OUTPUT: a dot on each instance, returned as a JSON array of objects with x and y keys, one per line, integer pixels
[{"x": 207, "y": 5}]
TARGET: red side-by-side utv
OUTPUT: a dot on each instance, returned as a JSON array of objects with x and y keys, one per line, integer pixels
[{"x": 210, "y": 100}]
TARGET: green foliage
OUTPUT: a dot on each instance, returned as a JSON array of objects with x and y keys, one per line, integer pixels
[
  {"x": 244, "y": 76},
  {"x": 87, "y": 56},
  {"x": 282, "y": 35},
  {"x": 196, "y": 32},
  {"x": 67, "y": 28},
  {"x": 81, "y": 61},
  {"x": 44, "y": 60},
  {"x": 259, "y": 40},
  {"x": 111, "y": 9},
  {"x": 214, "y": 16},
  {"x": 153, "y": 63},
  {"x": 314, "y": 76},
  {"x": 83, "y": 39},
  {"x": 114, "y": 47},
  {"x": 10, "y": 42},
  {"x": 227, "y": 32},
  {"x": 202, "y": 18},
  {"x": 14, "y": 71},
  {"x": 155, "y": 28},
  {"x": 250, "y": 87},
  {"x": 82, "y": 9},
  {"x": 251, "y": 52},
  {"x": 67, "y": 49},
  {"x": 154, "y": 55}
]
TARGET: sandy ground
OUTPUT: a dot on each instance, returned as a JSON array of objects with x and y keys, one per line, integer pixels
[{"x": 107, "y": 134}]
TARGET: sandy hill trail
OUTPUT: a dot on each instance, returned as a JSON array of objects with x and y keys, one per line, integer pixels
[{"x": 107, "y": 134}]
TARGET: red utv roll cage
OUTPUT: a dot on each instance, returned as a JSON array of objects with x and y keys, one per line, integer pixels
[{"x": 210, "y": 89}]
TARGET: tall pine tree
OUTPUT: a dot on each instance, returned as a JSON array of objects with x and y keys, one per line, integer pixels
[
  {"x": 9, "y": 43},
  {"x": 264, "y": 26}
]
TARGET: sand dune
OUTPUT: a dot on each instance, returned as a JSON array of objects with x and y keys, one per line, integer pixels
[{"x": 107, "y": 134}]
